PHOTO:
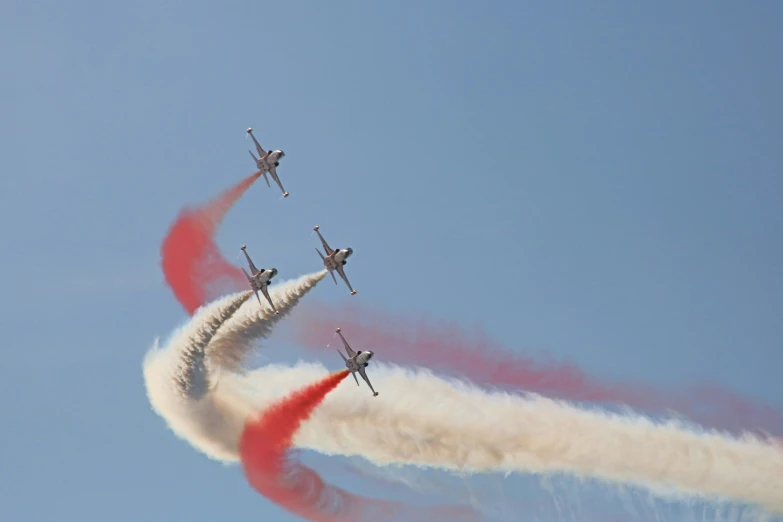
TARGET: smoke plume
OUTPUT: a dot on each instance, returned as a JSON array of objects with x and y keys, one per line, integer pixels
[
  {"x": 184, "y": 378},
  {"x": 273, "y": 472},
  {"x": 451, "y": 349},
  {"x": 425, "y": 420},
  {"x": 192, "y": 263}
]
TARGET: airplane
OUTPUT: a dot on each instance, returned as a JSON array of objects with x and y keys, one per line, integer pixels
[
  {"x": 335, "y": 259},
  {"x": 267, "y": 162},
  {"x": 260, "y": 279},
  {"x": 356, "y": 362}
]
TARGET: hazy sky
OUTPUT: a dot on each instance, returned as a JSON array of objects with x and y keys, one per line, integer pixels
[{"x": 599, "y": 182}]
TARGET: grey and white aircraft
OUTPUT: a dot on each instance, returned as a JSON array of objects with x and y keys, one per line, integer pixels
[
  {"x": 335, "y": 260},
  {"x": 356, "y": 362},
  {"x": 267, "y": 162},
  {"x": 260, "y": 279}
]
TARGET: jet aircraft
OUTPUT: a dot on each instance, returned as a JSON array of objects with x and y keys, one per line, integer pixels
[
  {"x": 356, "y": 362},
  {"x": 260, "y": 279},
  {"x": 335, "y": 259},
  {"x": 267, "y": 162}
]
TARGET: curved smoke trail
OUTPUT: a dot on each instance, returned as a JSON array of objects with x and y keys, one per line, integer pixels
[
  {"x": 207, "y": 406},
  {"x": 424, "y": 420},
  {"x": 189, "y": 383},
  {"x": 462, "y": 428},
  {"x": 453, "y": 350},
  {"x": 192, "y": 264},
  {"x": 263, "y": 448},
  {"x": 183, "y": 378},
  {"x": 191, "y": 260}
]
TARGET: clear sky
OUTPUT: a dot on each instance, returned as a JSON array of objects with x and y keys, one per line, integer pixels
[{"x": 600, "y": 182}]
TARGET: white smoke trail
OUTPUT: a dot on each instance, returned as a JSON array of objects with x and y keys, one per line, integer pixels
[
  {"x": 183, "y": 379},
  {"x": 424, "y": 420}
]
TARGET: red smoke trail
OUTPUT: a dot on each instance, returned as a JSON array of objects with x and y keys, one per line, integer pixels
[
  {"x": 263, "y": 449},
  {"x": 449, "y": 349},
  {"x": 191, "y": 261}
]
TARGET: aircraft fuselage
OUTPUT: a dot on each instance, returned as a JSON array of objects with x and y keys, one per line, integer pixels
[
  {"x": 338, "y": 257},
  {"x": 266, "y": 163},
  {"x": 262, "y": 279},
  {"x": 361, "y": 359}
]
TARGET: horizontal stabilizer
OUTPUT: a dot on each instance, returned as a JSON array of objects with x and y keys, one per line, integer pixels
[{"x": 250, "y": 279}]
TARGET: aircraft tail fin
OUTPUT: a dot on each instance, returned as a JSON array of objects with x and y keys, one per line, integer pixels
[
  {"x": 267, "y": 180},
  {"x": 355, "y": 378},
  {"x": 250, "y": 279},
  {"x": 324, "y": 260}
]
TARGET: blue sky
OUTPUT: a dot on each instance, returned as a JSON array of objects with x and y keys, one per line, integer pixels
[{"x": 601, "y": 182}]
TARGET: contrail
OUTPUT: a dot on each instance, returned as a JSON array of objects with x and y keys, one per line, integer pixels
[
  {"x": 191, "y": 260},
  {"x": 551, "y": 497},
  {"x": 234, "y": 342},
  {"x": 425, "y": 420},
  {"x": 186, "y": 386},
  {"x": 453, "y": 350},
  {"x": 183, "y": 378},
  {"x": 271, "y": 471}
]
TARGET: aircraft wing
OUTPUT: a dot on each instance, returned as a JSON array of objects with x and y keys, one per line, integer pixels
[
  {"x": 261, "y": 151},
  {"x": 329, "y": 251},
  {"x": 364, "y": 376},
  {"x": 259, "y": 299},
  {"x": 253, "y": 268},
  {"x": 273, "y": 172},
  {"x": 351, "y": 353},
  {"x": 345, "y": 278},
  {"x": 265, "y": 291}
]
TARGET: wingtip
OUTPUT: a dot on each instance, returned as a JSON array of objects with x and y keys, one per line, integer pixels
[
  {"x": 316, "y": 227},
  {"x": 243, "y": 247},
  {"x": 285, "y": 194},
  {"x": 338, "y": 330},
  {"x": 353, "y": 293}
]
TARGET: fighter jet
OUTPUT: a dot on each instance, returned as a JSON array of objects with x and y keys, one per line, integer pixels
[
  {"x": 267, "y": 162},
  {"x": 356, "y": 362},
  {"x": 260, "y": 279},
  {"x": 335, "y": 259}
]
